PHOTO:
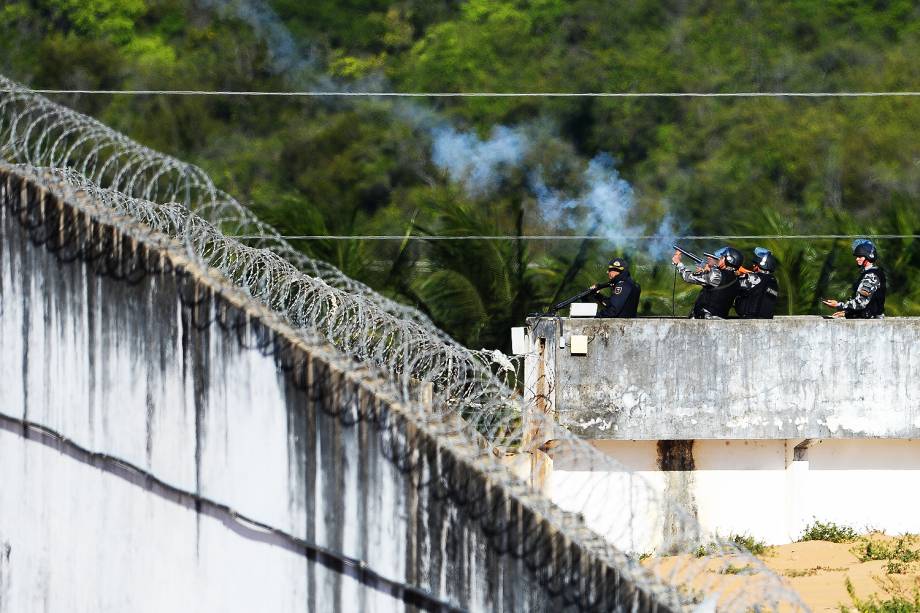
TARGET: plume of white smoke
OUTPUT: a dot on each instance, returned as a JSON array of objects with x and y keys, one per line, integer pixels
[
  {"x": 478, "y": 165},
  {"x": 555, "y": 207},
  {"x": 608, "y": 198},
  {"x": 607, "y": 205},
  {"x": 286, "y": 55}
]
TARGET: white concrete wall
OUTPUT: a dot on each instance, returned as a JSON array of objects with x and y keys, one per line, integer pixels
[
  {"x": 117, "y": 370},
  {"x": 73, "y": 538},
  {"x": 121, "y": 370},
  {"x": 751, "y": 487}
]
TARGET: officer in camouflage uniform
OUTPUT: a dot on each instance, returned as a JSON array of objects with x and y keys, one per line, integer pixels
[
  {"x": 624, "y": 292},
  {"x": 720, "y": 284},
  {"x": 759, "y": 289},
  {"x": 869, "y": 290}
]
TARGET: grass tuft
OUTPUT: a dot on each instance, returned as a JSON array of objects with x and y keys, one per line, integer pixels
[{"x": 828, "y": 531}]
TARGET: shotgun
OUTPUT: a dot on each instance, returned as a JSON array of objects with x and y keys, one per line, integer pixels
[
  {"x": 695, "y": 258},
  {"x": 580, "y": 295}
]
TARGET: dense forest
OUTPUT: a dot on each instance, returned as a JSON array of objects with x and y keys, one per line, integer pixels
[{"x": 609, "y": 168}]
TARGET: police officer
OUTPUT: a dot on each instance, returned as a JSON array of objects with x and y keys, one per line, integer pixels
[
  {"x": 624, "y": 292},
  {"x": 869, "y": 290},
  {"x": 720, "y": 284},
  {"x": 758, "y": 287}
]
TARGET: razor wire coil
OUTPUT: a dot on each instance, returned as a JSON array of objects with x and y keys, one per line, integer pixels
[{"x": 475, "y": 402}]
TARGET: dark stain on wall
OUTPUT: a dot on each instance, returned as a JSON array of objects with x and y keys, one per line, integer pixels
[
  {"x": 675, "y": 455},
  {"x": 6, "y": 551}
]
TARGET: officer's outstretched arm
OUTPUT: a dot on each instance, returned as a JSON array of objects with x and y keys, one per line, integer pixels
[
  {"x": 867, "y": 288},
  {"x": 711, "y": 277}
]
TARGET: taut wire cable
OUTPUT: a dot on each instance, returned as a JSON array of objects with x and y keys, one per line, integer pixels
[
  {"x": 369, "y": 94},
  {"x": 578, "y": 237}
]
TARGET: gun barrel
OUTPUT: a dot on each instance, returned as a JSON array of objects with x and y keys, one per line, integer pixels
[
  {"x": 579, "y": 296},
  {"x": 695, "y": 258}
]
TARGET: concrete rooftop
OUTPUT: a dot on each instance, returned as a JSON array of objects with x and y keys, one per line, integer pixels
[{"x": 786, "y": 378}]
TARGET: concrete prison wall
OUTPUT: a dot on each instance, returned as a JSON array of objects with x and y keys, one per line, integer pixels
[
  {"x": 757, "y": 427},
  {"x": 165, "y": 445}
]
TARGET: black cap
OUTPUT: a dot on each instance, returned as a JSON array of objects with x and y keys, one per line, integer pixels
[{"x": 618, "y": 264}]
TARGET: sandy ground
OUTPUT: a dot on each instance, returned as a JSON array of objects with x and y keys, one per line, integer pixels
[{"x": 818, "y": 571}]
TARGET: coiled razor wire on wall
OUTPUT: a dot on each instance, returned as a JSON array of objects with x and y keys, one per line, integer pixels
[{"x": 75, "y": 156}]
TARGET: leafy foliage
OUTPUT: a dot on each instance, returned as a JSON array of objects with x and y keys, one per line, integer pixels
[
  {"x": 828, "y": 531},
  {"x": 905, "y": 549},
  {"x": 748, "y": 542},
  {"x": 344, "y": 166},
  {"x": 898, "y": 603}
]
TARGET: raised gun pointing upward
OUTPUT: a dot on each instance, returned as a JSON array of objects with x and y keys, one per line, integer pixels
[{"x": 696, "y": 258}]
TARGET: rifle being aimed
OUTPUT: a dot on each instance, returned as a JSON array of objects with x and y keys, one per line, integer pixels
[
  {"x": 741, "y": 269},
  {"x": 579, "y": 296},
  {"x": 696, "y": 258}
]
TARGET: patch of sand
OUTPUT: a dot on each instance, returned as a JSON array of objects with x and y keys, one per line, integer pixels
[{"x": 817, "y": 570}]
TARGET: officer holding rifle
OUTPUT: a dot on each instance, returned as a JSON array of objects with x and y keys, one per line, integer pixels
[
  {"x": 623, "y": 301},
  {"x": 718, "y": 278},
  {"x": 624, "y": 292}
]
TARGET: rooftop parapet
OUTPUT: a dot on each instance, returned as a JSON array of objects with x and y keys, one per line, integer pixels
[{"x": 786, "y": 378}]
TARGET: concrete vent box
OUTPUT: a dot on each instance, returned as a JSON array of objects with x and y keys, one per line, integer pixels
[
  {"x": 578, "y": 344},
  {"x": 583, "y": 309}
]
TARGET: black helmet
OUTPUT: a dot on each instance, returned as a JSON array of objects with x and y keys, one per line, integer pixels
[
  {"x": 619, "y": 264},
  {"x": 864, "y": 248},
  {"x": 764, "y": 259},
  {"x": 733, "y": 257}
]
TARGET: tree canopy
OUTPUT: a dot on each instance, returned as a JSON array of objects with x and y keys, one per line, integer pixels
[{"x": 519, "y": 166}]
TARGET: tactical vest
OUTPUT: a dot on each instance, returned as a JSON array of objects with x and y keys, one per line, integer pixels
[
  {"x": 632, "y": 303},
  {"x": 717, "y": 300},
  {"x": 759, "y": 301},
  {"x": 876, "y": 304},
  {"x": 622, "y": 303}
]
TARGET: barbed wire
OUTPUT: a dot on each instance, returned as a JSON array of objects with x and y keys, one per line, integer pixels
[
  {"x": 474, "y": 400},
  {"x": 372, "y": 94}
]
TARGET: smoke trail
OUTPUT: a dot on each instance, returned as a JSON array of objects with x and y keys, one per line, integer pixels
[
  {"x": 478, "y": 164},
  {"x": 286, "y": 55},
  {"x": 607, "y": 202},
  {"x": 609, "y": 198}
]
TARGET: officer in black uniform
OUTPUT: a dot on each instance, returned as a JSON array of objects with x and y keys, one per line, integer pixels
[
  {"x": 720, "y": 284},
  {"x": 759, "y": 289},
  {"x": 869, "y": 290},
  {"x": 624, "y": 292}
]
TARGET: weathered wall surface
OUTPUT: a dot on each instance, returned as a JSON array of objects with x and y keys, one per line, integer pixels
[
  {"x": 761, "y": 487},
  {"x": 786, "y": 378},
  {"x": 127, "y": 373}
]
